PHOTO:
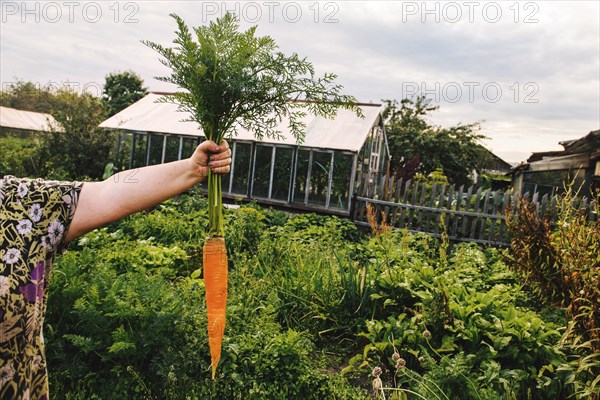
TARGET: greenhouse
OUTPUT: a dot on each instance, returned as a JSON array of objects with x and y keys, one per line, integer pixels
[
  {"x": 23, "y": 123},
  {"x": 319, "y": 174}
]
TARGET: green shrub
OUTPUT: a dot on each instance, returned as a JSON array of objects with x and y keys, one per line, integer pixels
[
  {"x": 17, "y": 156},
  {"x": 244, "y": 230},
  {"x": 559, "y": 255}
]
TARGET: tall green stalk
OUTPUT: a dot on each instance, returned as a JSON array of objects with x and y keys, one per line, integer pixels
[{"x": 216, "y": 226}]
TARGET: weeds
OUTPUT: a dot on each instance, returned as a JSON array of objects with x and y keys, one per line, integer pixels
[{"x": 559, "y": 256}]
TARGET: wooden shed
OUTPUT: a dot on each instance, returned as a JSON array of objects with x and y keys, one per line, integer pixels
[
  {"x": 321, "y": 174},
  {"x": 549, "y": 172}
]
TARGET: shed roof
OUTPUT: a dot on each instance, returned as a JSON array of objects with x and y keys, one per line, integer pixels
[
  {"x": 577, "y": 154},
  {"x": 589, "y": 142},
  {"x": 344, "y": 132},
  {"x": 26, "y": 120}
]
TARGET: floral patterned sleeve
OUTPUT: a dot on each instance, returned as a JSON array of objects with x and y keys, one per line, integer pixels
[{"x": 34, "y": 217}]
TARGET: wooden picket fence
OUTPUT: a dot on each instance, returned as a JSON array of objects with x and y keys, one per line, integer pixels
[{"x": 463, "y": 214}]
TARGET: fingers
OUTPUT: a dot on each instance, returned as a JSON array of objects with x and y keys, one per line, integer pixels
[
  {"x": 219, "y": 157},
  {"x": 220, "y": 166},
  {"x": 208, "y": 146},
  {"x": 222, "y": 155},
  {"x": 221, "y": 170}
]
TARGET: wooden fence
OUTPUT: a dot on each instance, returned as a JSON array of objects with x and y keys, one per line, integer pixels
[{"x": 463, "y": 214}]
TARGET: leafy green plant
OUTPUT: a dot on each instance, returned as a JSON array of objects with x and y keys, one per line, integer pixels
[
  {"x": 560, "y": 257},
  {"x": 455, "y": 326},
  {"x": 17, "y": 156},
  {"x": 120, "y": 90},
  {"x": 313, "y": 264},
  {"x": 307, "y": 279},
  {"x": 419, "y": 147},
  {"x": 245, "y": 230},
  {"x": 80, "y": 150},
  {"x": 75, "y": 149}
]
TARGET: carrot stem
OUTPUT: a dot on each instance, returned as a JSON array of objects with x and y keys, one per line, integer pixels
[{"x": 216, "y": 226}]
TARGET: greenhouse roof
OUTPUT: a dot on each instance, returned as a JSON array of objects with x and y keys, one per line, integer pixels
[
  {"x": 26, "y": 120},
  {"x": 345, "y": 132}
]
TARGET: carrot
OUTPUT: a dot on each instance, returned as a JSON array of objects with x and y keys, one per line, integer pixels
[{"x": 215, "y": 280}]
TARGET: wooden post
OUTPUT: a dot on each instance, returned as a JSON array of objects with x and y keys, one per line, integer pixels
[{"x": 456, "y": 209}]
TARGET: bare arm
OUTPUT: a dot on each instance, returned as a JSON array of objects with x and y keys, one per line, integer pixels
[{"x": 131, "y": 191}]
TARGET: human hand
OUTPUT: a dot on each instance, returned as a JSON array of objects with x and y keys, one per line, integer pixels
[{"x": 210, "y": 156}]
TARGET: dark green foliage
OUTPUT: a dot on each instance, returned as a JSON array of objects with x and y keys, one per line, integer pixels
[
  {"x": 418, "y": 147},
  {"x": 121, "y": 89},
  {"x": 80, "y": 149},
  {"x": 314, "y": 227},
  {"x": 28, "y": 96},
  {"x": 244, "y": 232},
  {"x": 17, "y": 156},
  {"x": 111, "y": 321},
  {"x": 457, "y": 323}
]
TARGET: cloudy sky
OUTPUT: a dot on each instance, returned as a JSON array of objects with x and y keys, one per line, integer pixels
[{"x": 529, "y": 71}]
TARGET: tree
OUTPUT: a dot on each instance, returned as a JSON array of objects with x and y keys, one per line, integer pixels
[
  {"x": 418, "y": 147},
  {"x": 29, "y": 97},
  {"x": 78, "y": 149},
  {"x": 121, "y": 89},
  {"x": 228, "y": 78}
]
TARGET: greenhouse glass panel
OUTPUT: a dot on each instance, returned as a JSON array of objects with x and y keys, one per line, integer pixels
[
  {"x": 139, "y": 152},
  {"x": 225, "y": 179},
  {"x": 189, "y": 146},
  {"x": 262, "y": 171},
  {"x": 363, "y": 159},
  {"x": 241, "y": 168},
  {"x": 156, "y": 146},
  {"x": 301, "y": 174},
  {"x": 340, "y": 187},
  {"x": 124, "y": 153},
  {"x": 225, "y": 183},
  {"x": 172, "y": 152},
  {"x": 319, "y": 178},
  {"x": 281, "y": 173},
  {"x": 384, "y": 156}
]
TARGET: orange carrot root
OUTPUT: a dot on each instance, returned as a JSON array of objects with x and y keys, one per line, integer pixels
[{"x": 215, "y": 280}]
